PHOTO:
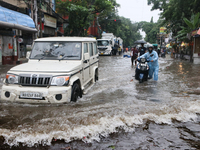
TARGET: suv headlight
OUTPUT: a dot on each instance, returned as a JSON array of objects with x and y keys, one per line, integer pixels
[
  {"x": 11, "y": 79},
  {"x": 60, "y": 80}
]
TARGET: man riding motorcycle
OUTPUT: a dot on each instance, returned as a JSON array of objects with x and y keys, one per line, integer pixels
[{"x": 152, "y": 56}]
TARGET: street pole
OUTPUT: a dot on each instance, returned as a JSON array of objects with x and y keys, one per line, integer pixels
[
  {"x": 32, "y": 16},
  {"x": 40, "y": 20},
  {"x": 36, "y": 17},
  {"x": 193, "y": 50},
  {"x": 160, "y": 42},
  {"x": 32, "y": 9}
]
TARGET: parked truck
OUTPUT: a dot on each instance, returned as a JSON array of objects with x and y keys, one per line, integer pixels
[
  {"x": 109, "y": 44},
  {"x": 106, "y": 43}
]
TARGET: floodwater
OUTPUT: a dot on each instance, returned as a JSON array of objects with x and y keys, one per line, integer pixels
[{"x": 116, "y": 113}]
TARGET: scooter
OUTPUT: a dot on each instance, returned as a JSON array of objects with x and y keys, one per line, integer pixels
[{"x": 142, "y": 70}]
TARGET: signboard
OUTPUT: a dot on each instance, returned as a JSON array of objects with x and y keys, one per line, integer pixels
[
  {"x": 50, "y": 21},
  {"x": 194, "y": 32},
  {"x": 162, "y": 30},
  {"x": 20, "y": 40}
]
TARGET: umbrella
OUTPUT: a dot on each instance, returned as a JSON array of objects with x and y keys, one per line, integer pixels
[
  {"x": 168, "y": 46},
  {"x": 183, "y": 44},
  {"x": 140, "y": 42}
]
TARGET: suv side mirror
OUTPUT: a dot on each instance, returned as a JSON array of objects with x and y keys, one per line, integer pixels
[{"x": 86, "y": 57}]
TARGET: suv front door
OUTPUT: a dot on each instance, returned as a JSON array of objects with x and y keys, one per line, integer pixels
[{"x": 86, "y": 64}]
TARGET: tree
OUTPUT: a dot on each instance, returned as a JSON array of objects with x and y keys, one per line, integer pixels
[
  {"x": 192, "y": 24},
  {"x": 82, "y": 12},
  {"x": 151, "y": 29},
  {"x": 173, "y": 12},
  {"x": 125, "y": 29}
]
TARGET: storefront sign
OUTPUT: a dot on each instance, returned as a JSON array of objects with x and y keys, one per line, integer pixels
[
  {"x": 20, "y": 40},
  {"x": 194, "y": 33},
  {"x": 162, "y": 30},
  {"x": 50, "y": 21}
]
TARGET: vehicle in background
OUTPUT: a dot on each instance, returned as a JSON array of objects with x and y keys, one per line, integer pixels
[
  {"x": 59, "y": 70},
  {"x": 105, "y": 45},
  {"x": 109, "y": 44}
]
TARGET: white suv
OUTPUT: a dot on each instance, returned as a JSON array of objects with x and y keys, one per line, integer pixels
[{"x": 59, "y": 70}]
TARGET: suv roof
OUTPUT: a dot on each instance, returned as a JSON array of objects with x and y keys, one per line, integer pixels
[{"x": 71, "y": 39}]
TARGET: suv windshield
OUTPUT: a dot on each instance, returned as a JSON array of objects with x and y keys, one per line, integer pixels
[
  {"x": 103, "y": 43},
  {"x": 56, "y": 51}
]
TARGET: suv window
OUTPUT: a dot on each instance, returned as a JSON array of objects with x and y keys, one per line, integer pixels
[
  {"x": 85, "y": 48},
  {"x": 56, "y": 50},
  {"x": 91, "y": 49},
  {"x": 95, "y": 48}
]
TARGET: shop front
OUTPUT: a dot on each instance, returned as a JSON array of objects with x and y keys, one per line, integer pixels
[
  {"x": 14, "y": 27},
  {"x": 196, "y": 47}
]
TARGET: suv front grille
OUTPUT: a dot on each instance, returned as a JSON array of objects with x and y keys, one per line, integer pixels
[{"x": 34, "y": 80}]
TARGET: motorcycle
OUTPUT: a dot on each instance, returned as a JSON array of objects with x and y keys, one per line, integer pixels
[{"x": 142, "y": 70}]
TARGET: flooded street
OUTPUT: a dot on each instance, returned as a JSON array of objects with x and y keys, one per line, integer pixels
[{"x": 117, "y": 112}]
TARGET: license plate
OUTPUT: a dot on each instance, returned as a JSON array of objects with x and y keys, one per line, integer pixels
[{"x": 33, "y": 95}]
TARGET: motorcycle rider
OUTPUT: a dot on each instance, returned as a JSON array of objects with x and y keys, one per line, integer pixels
[{"x": 152, "y": 56}]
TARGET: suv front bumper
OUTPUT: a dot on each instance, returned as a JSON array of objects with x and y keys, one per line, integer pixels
[{"x": 49, "y": 95}]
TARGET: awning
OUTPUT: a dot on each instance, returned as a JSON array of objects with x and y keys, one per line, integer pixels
[{"x": 15, "y": 20}]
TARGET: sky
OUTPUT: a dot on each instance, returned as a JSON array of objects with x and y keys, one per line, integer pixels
[{"x": 137, "y": 10}]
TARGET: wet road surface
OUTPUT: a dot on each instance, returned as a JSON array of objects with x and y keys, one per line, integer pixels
[{"x": 116, "y": 113}]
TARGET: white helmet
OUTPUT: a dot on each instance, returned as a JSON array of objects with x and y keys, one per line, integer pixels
[{"x": 150, "y": 45}]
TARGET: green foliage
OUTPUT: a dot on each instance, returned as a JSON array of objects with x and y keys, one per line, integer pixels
[
  {"x": 173, "y": 12},
  {"x": 192, "y": 24},
  {"x": 151, "y": 29},
  {"x": 125, "y": 29},
  {"x": 82, "y": 12}
]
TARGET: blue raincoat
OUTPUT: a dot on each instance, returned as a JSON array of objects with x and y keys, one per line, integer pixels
[{"x": 153, "y": 66}]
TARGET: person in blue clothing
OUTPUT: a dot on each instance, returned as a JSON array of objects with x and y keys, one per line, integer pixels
[{"x": 152, "y": 56}]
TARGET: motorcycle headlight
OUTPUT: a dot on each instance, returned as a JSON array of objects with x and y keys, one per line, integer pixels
[
  {"x": 60, "y": 80},
  {"x": 11, "y": 79},
  {"x": 143, "y": 60}
]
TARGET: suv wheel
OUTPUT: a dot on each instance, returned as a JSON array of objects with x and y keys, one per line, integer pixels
[
  {"x": 75, "y": 92},
  {"x": 96, "y": 76}
]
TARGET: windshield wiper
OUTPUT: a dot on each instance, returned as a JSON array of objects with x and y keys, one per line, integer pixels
[{"x": 68, "y": 56}]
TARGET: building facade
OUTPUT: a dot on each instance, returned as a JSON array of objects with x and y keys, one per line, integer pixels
[{"x": 20, "y": 22}]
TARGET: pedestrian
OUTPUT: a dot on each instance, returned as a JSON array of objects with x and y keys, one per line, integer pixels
[
  {"x": 142, "y": 49},
  {"x": 119, "y": 50},
  {"x": 127, "y": 49},
  {"x": 134, "y": 55},
  {"x": 158, "y": 52},
  {"x": 152, "y": 56}
]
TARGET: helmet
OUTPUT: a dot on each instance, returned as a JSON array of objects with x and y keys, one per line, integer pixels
[{"x": 150, "y": 45}]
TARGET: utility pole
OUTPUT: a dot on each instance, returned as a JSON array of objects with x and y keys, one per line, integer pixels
[
  {"x": 32, "y": 16},
  {"x": 36, "y": 17},
  {"x": 32, "y": 9},
  {"x": 40, "y": 21}
]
